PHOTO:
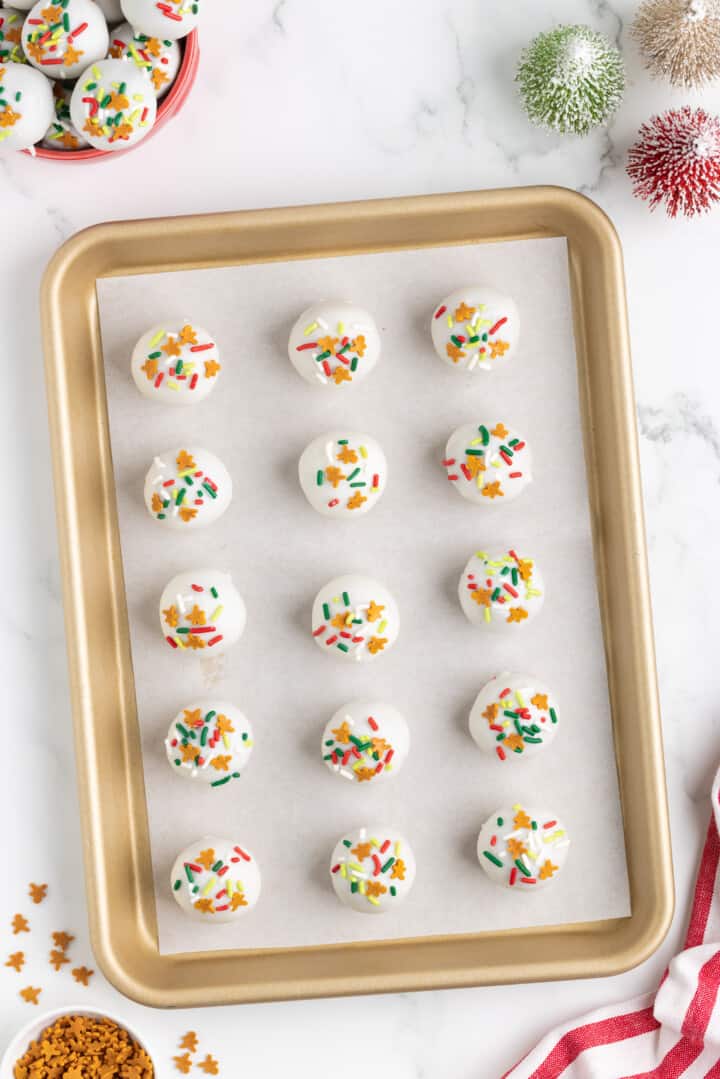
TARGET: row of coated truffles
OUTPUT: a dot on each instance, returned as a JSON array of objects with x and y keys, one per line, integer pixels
[
  {"x": 372, "y": 868},
  {"x": 332, "y": 344},
  {"x": 514, "y": 716},
  {"x": 343, "y": 474},
  {"x": 354, "y": 618},
  {"x": 71, "y": 78}
]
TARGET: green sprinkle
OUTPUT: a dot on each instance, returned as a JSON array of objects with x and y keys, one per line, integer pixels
[
  {"x": 522, "y": 867},
  {"x": 319, "y": 477},
  {"x": 326, "y": 610},
  {"x": 491, "y": 858},
  {"x": 346, "y": 599},
  {"x": 343, "y": 648},
  {"x": 221, "y": 783},
  {"x": 553, "y": 715},
  {"x": 176, "y": 885},
  {"x": 189, "y": 874},
  {"x": 214, "y": 593}
]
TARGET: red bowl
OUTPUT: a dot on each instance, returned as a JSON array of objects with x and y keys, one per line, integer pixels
[{"x": 173, "y": 101}]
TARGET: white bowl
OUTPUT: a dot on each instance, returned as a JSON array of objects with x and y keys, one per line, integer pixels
[{"x": 34, "y": 1029}]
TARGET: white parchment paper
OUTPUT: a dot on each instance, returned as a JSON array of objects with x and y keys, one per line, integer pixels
[{"x": 288, "y": 808}]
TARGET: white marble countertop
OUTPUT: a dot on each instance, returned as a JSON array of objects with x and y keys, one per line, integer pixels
[{"x": 309, "y": 101}]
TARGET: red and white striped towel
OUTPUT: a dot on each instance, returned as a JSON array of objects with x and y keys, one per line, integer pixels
[{"x": 674, "y": 1032}]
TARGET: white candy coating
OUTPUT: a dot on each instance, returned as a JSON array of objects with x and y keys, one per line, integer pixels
[
  {"x": 529, "y": 857},
  {"x": 111, "y": 10},
  {"x": 334, "y": 344},
  {"x": 176, "y": 362},
  {"x": 201, "y": 612},
  {"x": 372, "y": 869},
  {"x": 62, "y": 134},
  {"x": 475, "y": 329},
  {"x": 209, "y": 741},
  {"x": 515, "y": 716},
  {"x": 11, "y": 24},
  {"x": 159, "y": 59},
  {"x": 63, "y": 42},
  {"x": 488, "y": 463},
  {"x": 215, "y": 893},
  {"x": 171, "y": 19},
  {"x": 130, "y": 111},
  {"x": 187, "y": 488},
  {"x": 501, "y": 591},
  {"x": 29, "y": 110},
  {"x": 343, "y": 474},
  {"x": 366, "y": 741},
  {"x": 355, "y": 618}
]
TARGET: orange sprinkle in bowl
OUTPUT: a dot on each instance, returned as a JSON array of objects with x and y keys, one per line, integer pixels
[{"x": 34, "y": 1030}]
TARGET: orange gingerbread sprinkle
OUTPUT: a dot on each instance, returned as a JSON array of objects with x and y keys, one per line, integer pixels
[{"x": 38, "y": 892}]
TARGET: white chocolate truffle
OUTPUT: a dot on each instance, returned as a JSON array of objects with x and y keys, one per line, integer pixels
[
  {"x": 26, "y": 107},
  {"x": 171, "y": 19},
  {"x": 11, "y": 24},
  {"x": 334, "y": 344},
  {"x": 343, "y": 474},
  {"x": 111, "y": 10},
  {"x": 372, "y": 869},
  {"x": 355, "y": 618},
  {"x": 62, "y": 134},
  {"x": 201, "y": 611},
  {"x": 160, "y": 60},
  {"x": 63, "y": 39},
  {"x": 488, "y": 464},
  {"x": 187, "y": 488},
  {"x": 113, "y": 105},
  {"x": 475, "y": 329},
  {"x": 515, "y": 716},
  {"x": 522, "y": 848},
  {"x": 175, "y": 362},
  {"x": 210, "y": 741},
  {"x": 215, "y": 880},
  {"x": 366, "y": 741},
  {"x": 501, "y": 591}
]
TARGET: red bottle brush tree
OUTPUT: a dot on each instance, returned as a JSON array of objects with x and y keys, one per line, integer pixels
[{"x": 676, "y": 161}]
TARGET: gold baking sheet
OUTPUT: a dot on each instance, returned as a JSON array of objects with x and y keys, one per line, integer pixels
[{"x": 117, "y": 848}]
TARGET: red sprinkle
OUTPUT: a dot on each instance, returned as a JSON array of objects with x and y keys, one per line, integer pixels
[
  {"x": 494, "y": 329},
  {"x": 319, "y": 631},
  {"x": 372, "y": 723},
  {"x": 303, "y": 348},
  {"x": 441, "y": 311},
  {"x": 215, "y": 640},
  {"x": 242, "y": 854},
  {"x": 513, "y": 876},
  {"x": 500, "y": 752},
  {"x": 171, "y": 641},
  {"x": 202, "y": 348}
]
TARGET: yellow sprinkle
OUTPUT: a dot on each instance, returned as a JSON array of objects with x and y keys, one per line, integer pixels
[
  {"x": 475, "y": 441},
  {"x": 362, "y": 887},
  {"x": 216, "y": 613},
  {"x": 341, "y": 328},
  {"x": 383, "y": 626},
  {"x": 343, "y": 872},
  {"x": 96, "y": 72},
  {"x": 173, "y": 386},
  {"x": 138, "y": 97},
  {"x": 398, "y": 846},
  {"x": 226, "y": 741},
  {"x": 517, "y": 806},
  {"x": 363, "y": 451},
  {"x": 209, "y": 886},
  {"x": 356, "y": 867},
  {"x": 131, "y": 119},
  {"x": 375, "y": 842},
  {"x": 309, "y": 329},
  {"x": 450, "y": 321},
  {"x": 555, "y": 835},
  {"x": 229, "y": 888},
  {"x": 519, "y": 698},
  {"x": 158, "y": 337},
  {"x": 371, "y": 899},
  {"x": 487, "y": 614}
]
